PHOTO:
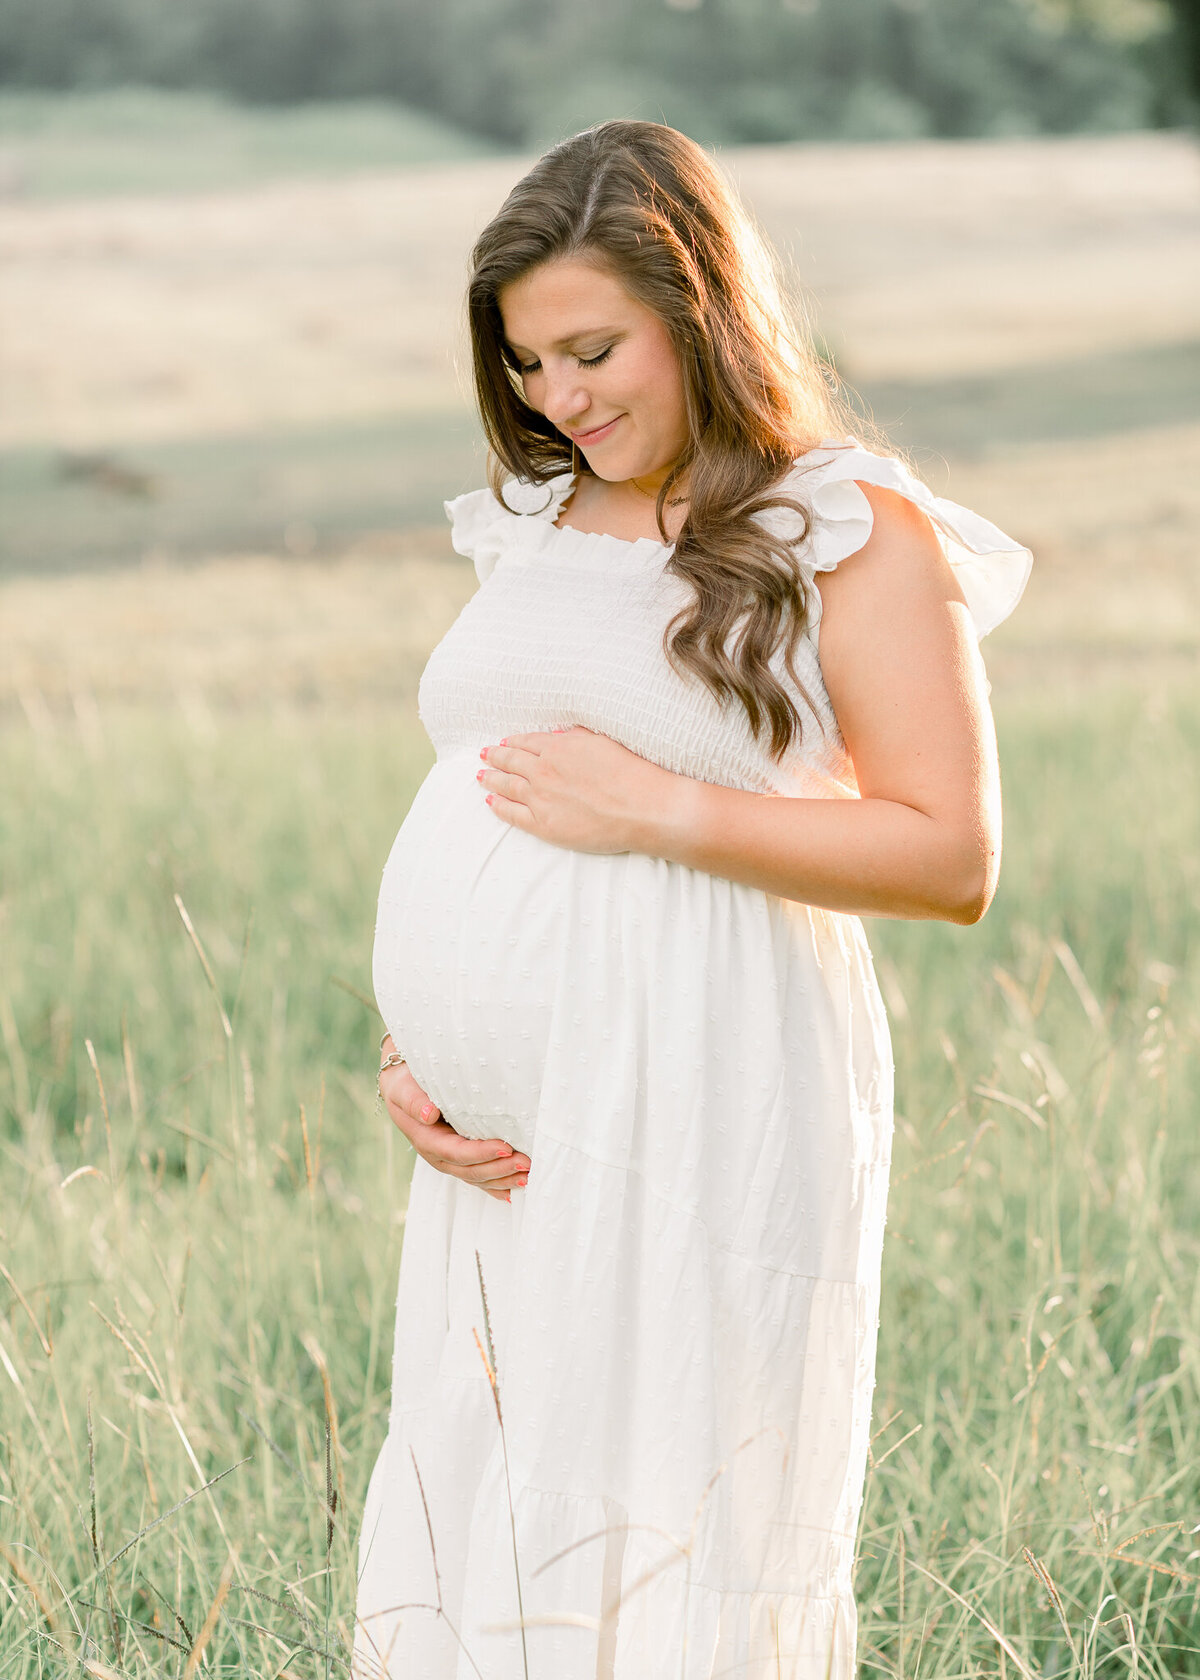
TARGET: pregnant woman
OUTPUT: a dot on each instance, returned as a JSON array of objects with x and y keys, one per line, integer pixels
[{"x": 717, "y": 695}]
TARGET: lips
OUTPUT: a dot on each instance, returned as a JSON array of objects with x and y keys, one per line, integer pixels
[{"x": 596, "y": 435}]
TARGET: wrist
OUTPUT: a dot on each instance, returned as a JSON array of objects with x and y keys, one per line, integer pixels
[{"x": 671, "y": 822}]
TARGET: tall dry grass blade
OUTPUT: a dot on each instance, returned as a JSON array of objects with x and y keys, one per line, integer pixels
[
  {"x": 1156, "y": 1567},
  {"x": 49, "y": 1613},
  {"x": 143, "y": 1627},
  {"x": 172, "y": 1611},
  {"x": 200, "y": 1138},
  {"x": 330, "y": 1491},
  {"x": 56, "y": 1471},
  {"x": 900, "y": 1636},
  {"x": 896, "y": 1445},
  {"x": 81, "y": 1172},
  {"x": 132, "y": 1087},
  {"x": 345, "y": 986},
  {"x": 837, "y": 1610},
  {"x": 178, "y": 1506},
  {"x": 308, "y": 1160},
  {"x": 555, "y": 1619},
  {"x": 331, "y": 1502},
  {"x": 232, "y": 1559},
  {"x": 1154, "y": 1528},
  {"x": 985, "y": 1620},
  {"x": 16, "y": 1055},
  {"x": 983, "y": 1127},
  {"x": 313, "y": 1349},
  {"x": 294, "y": 1646},
  {"x": 990, "y": 1094},
  {"x": 494, "y": 1380},
  {"x": 237, "y": 994},
  {"x": 210, "y": 1621},
  {"x": 1133, "y": 1644},
  {"x": 108, "y": 1138},
  {"x": 689, "y": 1551},
  {"x": 437, "y": 1574},
  {"x": 300, "y": 1598},
  {"x": 616, "y": 1528},
  {"x": 487, "y": 1321},
  {"x": 101, "y": 1571},
  {"x": 15, "y": 1287},
  {"x": 226, "y": 1024},
  {"x": 1052, "y": 1592},
  {"x": 151, "y": 1373},
  {"x": 280, "y": 1603},
  {"x": 1079, "y": 982},
  {"x": 283, "y": 1456}
]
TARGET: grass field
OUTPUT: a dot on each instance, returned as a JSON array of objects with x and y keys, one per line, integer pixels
[
  {"x": 208, "y": 740},
  {"x": 202, "y": 1223}
]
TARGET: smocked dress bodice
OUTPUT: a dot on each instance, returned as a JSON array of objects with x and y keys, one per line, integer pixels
[{"x": 567, "y": 627}]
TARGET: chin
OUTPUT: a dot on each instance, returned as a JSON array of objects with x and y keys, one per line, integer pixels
[{"x": 606, "y": 470}]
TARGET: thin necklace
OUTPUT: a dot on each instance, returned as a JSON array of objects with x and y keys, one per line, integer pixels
[{"x": 652, "y": 495}]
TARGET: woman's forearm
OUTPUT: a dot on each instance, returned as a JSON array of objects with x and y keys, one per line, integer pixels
[{"x": 870, "y": 857}]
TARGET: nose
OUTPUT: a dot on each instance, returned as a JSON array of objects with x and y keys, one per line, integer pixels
[{"x": 564, "y": 395}]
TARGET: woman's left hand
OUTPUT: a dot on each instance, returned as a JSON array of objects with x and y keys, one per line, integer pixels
[{"x": 577, "y": 789}]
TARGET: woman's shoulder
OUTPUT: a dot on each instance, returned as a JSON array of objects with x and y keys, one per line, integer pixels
[{"x": 992, "y": 568}]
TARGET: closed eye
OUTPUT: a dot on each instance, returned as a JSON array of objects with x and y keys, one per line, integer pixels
[{"x": 526, "y": 368}]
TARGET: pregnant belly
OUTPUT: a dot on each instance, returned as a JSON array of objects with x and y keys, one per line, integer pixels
[{"x": 468, "y": 953}]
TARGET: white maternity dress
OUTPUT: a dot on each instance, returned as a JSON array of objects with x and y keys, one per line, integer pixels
[{"x": 684, "y": 1300}]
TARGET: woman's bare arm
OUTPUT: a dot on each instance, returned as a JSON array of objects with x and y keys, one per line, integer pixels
[{"x": 902, "y": 668}]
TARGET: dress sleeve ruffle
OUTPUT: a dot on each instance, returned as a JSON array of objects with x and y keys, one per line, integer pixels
[
  {"x": 476, "y": 531},
  {"x": 481, "y": 527},
  {"x": 992, "y": 569}
]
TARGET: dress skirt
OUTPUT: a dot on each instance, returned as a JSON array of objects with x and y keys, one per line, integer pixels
[{"x": 681, "y": 1307}]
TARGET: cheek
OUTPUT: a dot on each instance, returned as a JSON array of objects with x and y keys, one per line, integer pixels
[
  {"x": 667, "y": 381},
  {"x": 665, "y": 391},
  {"x": 656, "y": 389}
]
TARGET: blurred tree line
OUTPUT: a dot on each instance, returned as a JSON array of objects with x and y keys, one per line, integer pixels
[{"x": 523, "y": 72}]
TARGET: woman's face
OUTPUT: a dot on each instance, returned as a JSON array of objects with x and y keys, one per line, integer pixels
[{"x": 599, "y": 365}]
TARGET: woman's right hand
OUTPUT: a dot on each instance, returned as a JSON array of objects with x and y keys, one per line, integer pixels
[{"x": 490, "y": 1163}]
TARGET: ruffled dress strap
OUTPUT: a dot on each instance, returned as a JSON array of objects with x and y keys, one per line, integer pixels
[
  {"x": 482, "y": 528},
  {"x": 992, "y": 569}
]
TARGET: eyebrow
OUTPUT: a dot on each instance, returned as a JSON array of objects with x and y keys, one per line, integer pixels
[{"x": 571, "y": 338}]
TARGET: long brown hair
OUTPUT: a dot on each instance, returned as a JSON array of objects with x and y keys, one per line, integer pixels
[{"x": 649, "y": 204}]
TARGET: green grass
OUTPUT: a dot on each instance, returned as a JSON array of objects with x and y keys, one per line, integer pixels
[
  {"x": 235, "y": 1222},
  {"x": 138, "y": 140}
]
